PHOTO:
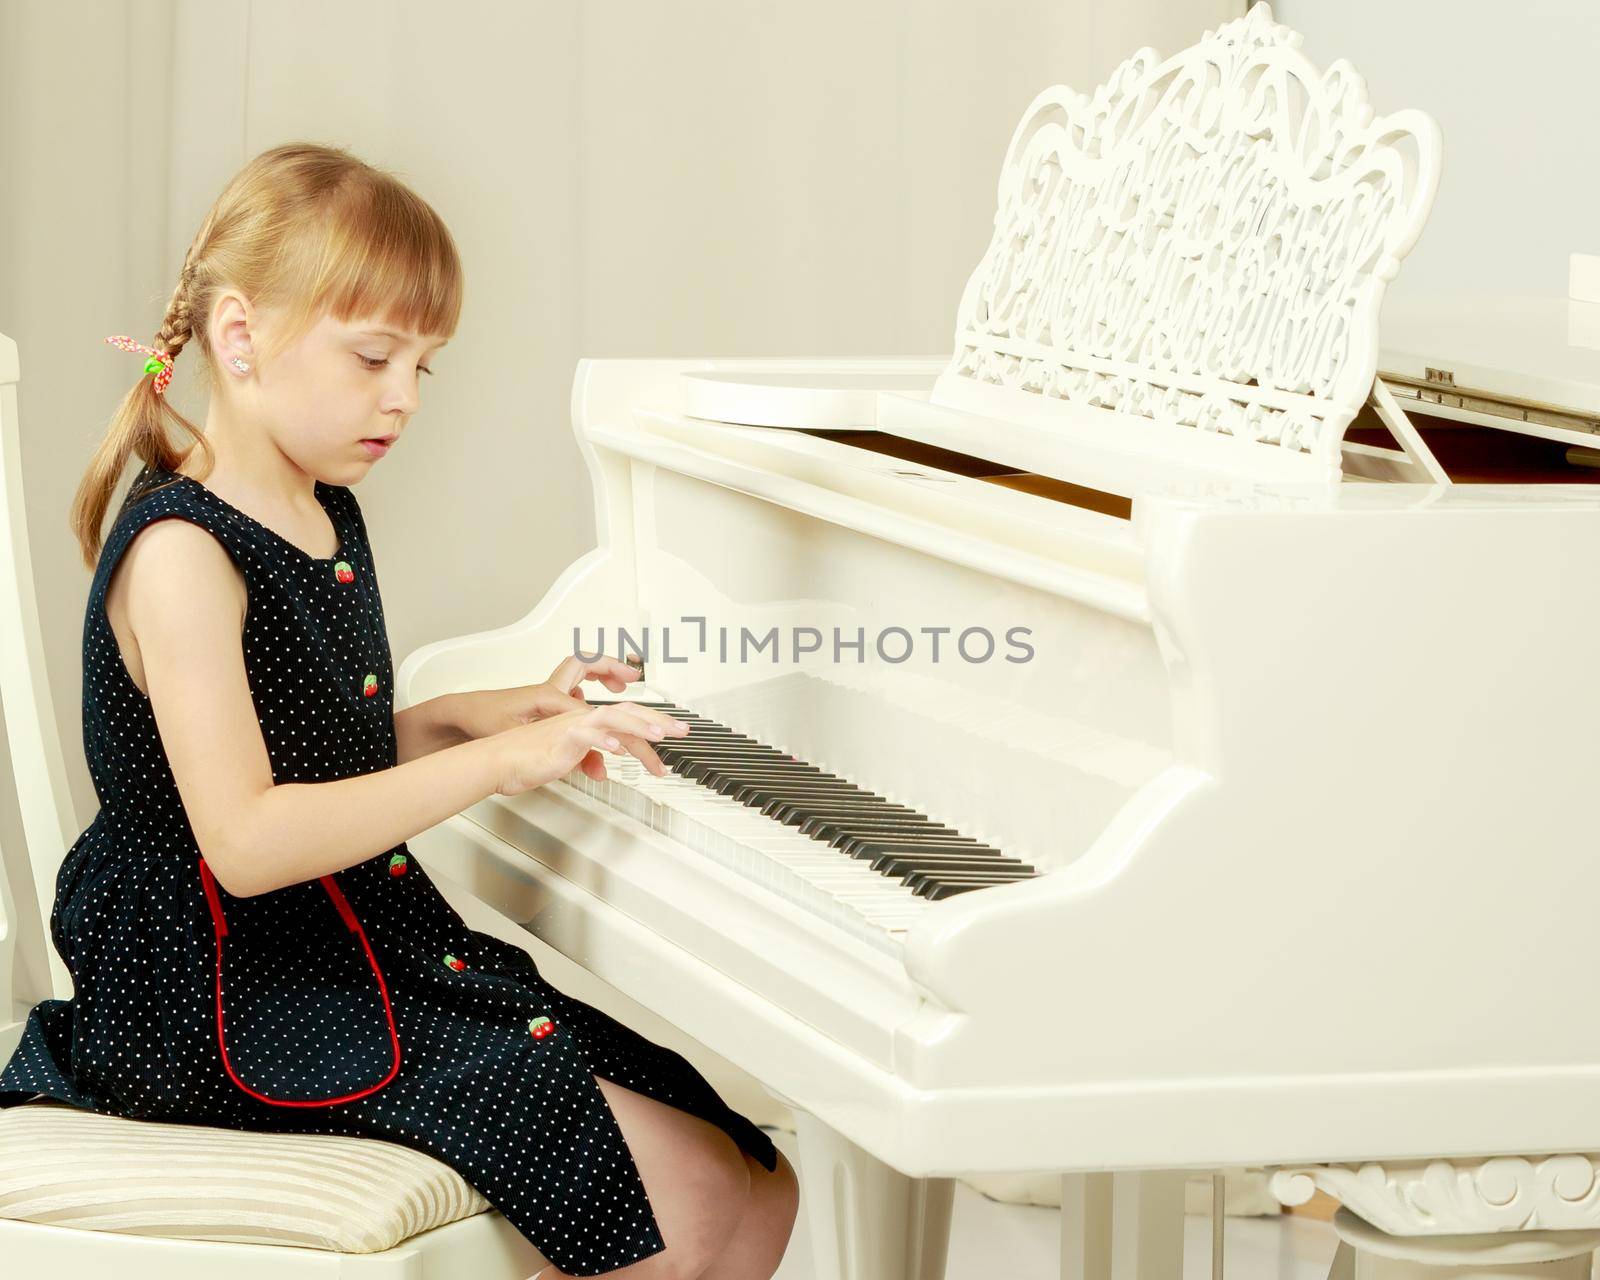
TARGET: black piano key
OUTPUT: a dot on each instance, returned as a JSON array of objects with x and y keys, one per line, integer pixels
[
  {"x": 871, "y": 846},
  {"x": 695, "y": 753},
  {"x": 715, "y": 748},
  {"x": 799, "y": 789},
  {"x": 920, "y": 832},
  {"x": 951, "y": 888},
  {"x": 712, "y": 737},
  {"x": 877, "y": 834},
  {"x": 864, "y": 822},
  {"x": 793, "y": 773},
  {"x": 920, "y": 882},
  {"x": 822, "y": 788},
  {"x": 948, "y": 888},
  {"x": 710, "y": 767},
  {"x": 686, "y": 760},
  {"x": 714, "y": 773},
  {"x": 732, "y": 786},
  {"x": 828, "y": 829},
  {"x": 844, "y": 799},
  {"x": 974, "y": 870},
  {"x": 899, "y": 864},
  {"x": 836, "y": 808},
  {"x": 711, "y": 734},
  {"x": 832, "y": 793},
  {"x": 765, "y": 758},
  {"x": 768, "y": 798},
  {"x": 717, "y": 773},
  {"x": 923, "y": 836}
]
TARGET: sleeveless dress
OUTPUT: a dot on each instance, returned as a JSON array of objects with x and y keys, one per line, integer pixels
[{"x": 359, "y": 1003}]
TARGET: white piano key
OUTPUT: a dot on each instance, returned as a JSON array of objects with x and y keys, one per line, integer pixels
[{"x": 769, "y": 853}]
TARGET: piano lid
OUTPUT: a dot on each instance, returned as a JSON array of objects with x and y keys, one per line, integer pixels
[{"x": 1524, "y": 363}]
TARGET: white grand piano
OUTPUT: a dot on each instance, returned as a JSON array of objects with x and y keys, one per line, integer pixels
[{"x": 1152, "y": 738}]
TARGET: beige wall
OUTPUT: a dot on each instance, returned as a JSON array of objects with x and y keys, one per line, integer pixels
[
  {"x": 1513, "y": 91},
  {"x": 634, "y": 178}
]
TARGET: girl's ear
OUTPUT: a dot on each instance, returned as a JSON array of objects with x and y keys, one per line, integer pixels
[{"x": 232, "y": 325}]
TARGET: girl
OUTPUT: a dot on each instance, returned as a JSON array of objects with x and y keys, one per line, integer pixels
[{"x": 249, "y": 943}]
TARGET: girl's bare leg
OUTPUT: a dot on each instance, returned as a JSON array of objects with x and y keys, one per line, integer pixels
[
  {"x": 762, "y": 1236},
  {"x": 697, "y": 1180}
]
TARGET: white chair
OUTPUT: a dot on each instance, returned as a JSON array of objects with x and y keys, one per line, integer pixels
[{"x": 83, "y": 1193}]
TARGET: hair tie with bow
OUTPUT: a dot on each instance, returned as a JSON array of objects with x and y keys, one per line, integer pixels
[{"x": 159, "y": 363}]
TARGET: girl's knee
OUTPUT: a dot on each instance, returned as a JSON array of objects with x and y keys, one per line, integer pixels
[
  {"x": 721, "y": 1183},
  {"x": 710, "y": 1200},
  {"x": 779, "y": 1196},
  {"x": 791, "y": 1188}
]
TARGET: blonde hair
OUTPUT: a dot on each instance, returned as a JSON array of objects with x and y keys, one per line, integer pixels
[{"x": 304, "y": 229}]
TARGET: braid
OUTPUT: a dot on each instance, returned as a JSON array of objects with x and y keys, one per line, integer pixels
[{"x": 177, "y": 327}]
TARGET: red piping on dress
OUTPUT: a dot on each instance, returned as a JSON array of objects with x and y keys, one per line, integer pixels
[{"x": 220, "y": 927}]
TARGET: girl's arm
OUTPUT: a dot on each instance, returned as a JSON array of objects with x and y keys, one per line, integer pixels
[
  {"x": 186, "y": 604},
  {"x": 298, "y": 831},
  {"x": 428, "y": 726}
]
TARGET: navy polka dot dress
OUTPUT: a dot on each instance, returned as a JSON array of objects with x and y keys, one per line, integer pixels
[{"x": 358, "y": 1003}]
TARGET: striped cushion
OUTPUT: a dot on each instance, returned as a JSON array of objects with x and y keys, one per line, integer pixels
[{"x": 65, "y": 1166}]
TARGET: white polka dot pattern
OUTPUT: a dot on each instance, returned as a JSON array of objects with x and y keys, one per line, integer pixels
[{"x": 485, "y": 1085}]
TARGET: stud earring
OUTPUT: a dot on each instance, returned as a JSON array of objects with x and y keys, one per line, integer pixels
[{"x": 240, "y": 365}]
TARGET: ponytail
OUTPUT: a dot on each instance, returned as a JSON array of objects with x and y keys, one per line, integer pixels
[{"x": 138, "y": 428}]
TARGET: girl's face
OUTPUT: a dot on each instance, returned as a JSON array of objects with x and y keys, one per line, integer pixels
[{"x": 341, "y": 383}]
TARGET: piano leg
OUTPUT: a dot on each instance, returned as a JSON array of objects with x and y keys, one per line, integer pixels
[
  {"x": 868, "y": 1221},
  {"x": 1122, "y": 1226}
]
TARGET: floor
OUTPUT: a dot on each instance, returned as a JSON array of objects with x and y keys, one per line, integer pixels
[{"x": 994, "y": 1241}]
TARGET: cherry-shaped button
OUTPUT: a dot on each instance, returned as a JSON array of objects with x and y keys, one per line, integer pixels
[
  {"x": 397, "y": 865},
  {"x": 457, "y": 965},
  {"x": 370, "y": 687},
  {"x": 541, "y": 1027},
  {"x": 344, "y": 572}
]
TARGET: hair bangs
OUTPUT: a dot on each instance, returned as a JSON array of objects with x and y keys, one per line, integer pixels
[{"x": 387, "y": 256}]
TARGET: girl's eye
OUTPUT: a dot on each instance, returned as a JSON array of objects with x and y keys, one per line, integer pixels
[{"x": 377, "y": 362}]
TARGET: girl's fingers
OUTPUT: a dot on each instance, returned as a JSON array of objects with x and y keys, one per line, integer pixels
[
  {"x": 646, "y": 722},
  {"x": 591, "y": 739},
  {"x": 615, "y": 675},
  {"x": 608, "y": 729},
  {"x": 572, "y": 672},
  {"x": 556, "y": 702},
  {"x": 595, "y": 737},
  {"x": 648, "y": 758},
  {"x": 565, "y": 678}
]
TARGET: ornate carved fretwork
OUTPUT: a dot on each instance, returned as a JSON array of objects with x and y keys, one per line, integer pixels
[
  {"x": 1205, "y": 242},
  {"x": 1458, "y": 1197}
]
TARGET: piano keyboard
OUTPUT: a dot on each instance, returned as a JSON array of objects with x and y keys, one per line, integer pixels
[{"x": 822, "y": 842}]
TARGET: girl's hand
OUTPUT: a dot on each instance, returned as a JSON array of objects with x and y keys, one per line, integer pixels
[
  {"x": 531, "y": 755},
  {"x": 572, "y": 672},
  {"x": 482, "y": 713}
]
